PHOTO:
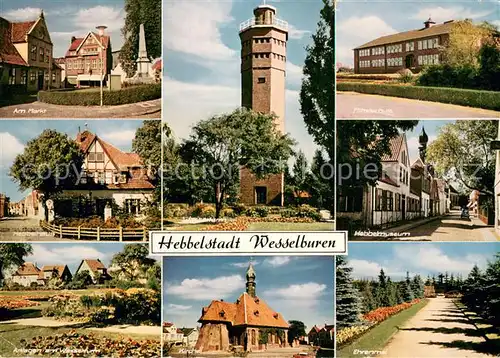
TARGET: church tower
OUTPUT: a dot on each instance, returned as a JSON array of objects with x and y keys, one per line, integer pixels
[
  {"x": 263, "y": 70},
  {"x": 251, "y": 280},
  {"x": 423, "y": 139}
]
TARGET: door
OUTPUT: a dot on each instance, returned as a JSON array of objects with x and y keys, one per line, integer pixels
[
  {"x": 40, "y": 80},
  {"x": 261, "y": 195},
  {"x": 410, "y": 61}
]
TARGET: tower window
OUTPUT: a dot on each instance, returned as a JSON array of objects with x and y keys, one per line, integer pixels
[
  {"x": 262, "y": 80},
  {"x": 261, "y": 195}
]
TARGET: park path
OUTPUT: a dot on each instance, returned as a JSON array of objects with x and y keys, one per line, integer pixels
[
  {"x": 360, "y": 105},
  {"x": 439, "y": 329}
]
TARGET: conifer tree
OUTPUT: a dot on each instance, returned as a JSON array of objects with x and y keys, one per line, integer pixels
[
  {"x": 407, "y": 291},
  {"x": 348, "y": 303},
  {"x": 368, "y": 300}
]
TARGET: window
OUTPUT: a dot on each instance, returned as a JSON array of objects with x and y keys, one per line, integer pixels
[
  {"x": 397, "y": 202},
  {"x": 32, "y": 77},
  {"x": 424, "y": 60},
  {"x": 133, "y": 206},
  {"x": 351, "y": 201},
  {"x": 395, "y": 48},
  {"x": 33, "y": 52},
  {"x": 410, "y": 46},
  {"x": 390, "y": 200},
  {"x": 96, "y": 157},
  {"x": 41, "y": 58},
  {"x": 260, "y": 195},
  {"x": 378, "y": 51},
  {"x": 12, "y": 76},
  {"x": 364, "y": 63},
  {"x": 24, "y": 77},
  {"x": 54, "y": 79},
  {"x": 101, "y": 178},
  {"x": 378, "y": 199},
  {"x": 395, "y": 61},
  {"x": 364, "y": 52},
  {"x": 262, "y": 80},
  {"x": 378, "y": 63}
]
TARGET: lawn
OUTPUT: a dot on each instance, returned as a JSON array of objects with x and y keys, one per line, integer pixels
[
  {"x": 270, "y": 226},
  {"x": 48, "y": 293},
  {"x": 377, "y": 338},
  {"x": 12, "y": 334}
]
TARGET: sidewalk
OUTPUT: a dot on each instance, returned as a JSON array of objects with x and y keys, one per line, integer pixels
[{"x": 413, "y": 224}]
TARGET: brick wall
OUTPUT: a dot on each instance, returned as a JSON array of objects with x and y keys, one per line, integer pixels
[{"x": 273, "y": 183}]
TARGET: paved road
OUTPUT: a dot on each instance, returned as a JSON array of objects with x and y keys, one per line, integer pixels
[
  {"x": 358, "y": 105},
  {"x": 452, "y": 228},
  {"x": 22, "y": 229},
  {"x": 437, "y": 330},
  {"x": 148, "y": 109}
]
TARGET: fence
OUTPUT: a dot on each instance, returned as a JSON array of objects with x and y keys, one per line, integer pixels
[{"x": 98, "y": 233}]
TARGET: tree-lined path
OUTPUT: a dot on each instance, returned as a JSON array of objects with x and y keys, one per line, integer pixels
[{"x": 439, "y": 329}]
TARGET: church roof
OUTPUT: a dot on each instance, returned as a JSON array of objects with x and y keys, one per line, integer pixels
[{"x": 246, "y": 311}]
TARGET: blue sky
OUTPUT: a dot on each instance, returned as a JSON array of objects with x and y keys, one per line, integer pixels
[
  {"x": 300, "y": 288},
  {"x": 73, "y": 254},
  {"x": 15, "y": 134},
  {"x": 69, "y": 18},
  {"x": 201, "y": 50},
  {"x": 358, "y": 22},
  {"x": 418, "y": 258}
]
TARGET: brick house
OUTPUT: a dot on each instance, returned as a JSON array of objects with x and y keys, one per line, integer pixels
[
  {"x": 263, "y": 71},
  {"x": 241, "y": 323},
  {"x": 109, "y": 176},
  {"x": 46, "y": 273},
  {"x": 26, "y": 275},
  {"x": 26, "y": 62},
  {"x": 313, "y": 335},
  {"x": 96, "y": 269},
  {"x": 412, "y": 49},
  {"x": 89, "y": 59}
]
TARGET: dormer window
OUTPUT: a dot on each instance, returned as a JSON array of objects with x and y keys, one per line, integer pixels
[
  {"x": 256, "y": 312},
  {"x": 257, "y": 300},
  {"x": 222, "y": 313},
  {"x": 276, "y": 315}
]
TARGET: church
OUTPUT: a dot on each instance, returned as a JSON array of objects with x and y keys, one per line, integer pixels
[{"x": 248, "y": 324}]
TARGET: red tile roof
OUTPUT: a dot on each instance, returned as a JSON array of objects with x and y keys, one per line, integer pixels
[
  {"x": 130, "y": 162},
  {"x": 59, "y": 269},
  {"x": 395, "y": 145},
  {"x": 95, "y": 265},
  {"x": 157, "y": 66},
  {"x": 27, "y": 269},
  {"x": 20, "y": 30},
  {"x": 8, "y": 52},
  {"x": 247, "y": 311},
  {"x": 77, "y": 41}
]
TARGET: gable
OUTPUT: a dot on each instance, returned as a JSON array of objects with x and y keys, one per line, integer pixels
[
  {"x": 40, "y": 30},
  {"x": 97, "y": 158}
]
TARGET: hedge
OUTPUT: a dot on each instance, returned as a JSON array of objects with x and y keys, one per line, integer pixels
[
  {"x": 110, "y": 98},
  {"x": 463, "y": 97}
]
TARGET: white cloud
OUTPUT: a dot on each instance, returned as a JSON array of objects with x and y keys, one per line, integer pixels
[
  {"x": 293, "y": 74},
  {"x": 425, "y": 257},
  {"x": 244, "y": 264},
  {"x": 67, "y": 255},
  {"x": 206, "y": 288},
  {"x": 413, "y": 145},
  {"x": 193, "y": 28},
  {"x": 112, "y": 17},
  {"x": 441, "y": 14},
  {"x": 349, "y": 35},
  {"x": 23, "y": 14},
  {"x": 297, "y": 34},
  {"x": 10, "y": 147},
  {"x": 307, "y": 291},
  {"x": 121, "y": 137},
  {"x": 277, "y": 261},
  {"x": 174, "y": 307}
]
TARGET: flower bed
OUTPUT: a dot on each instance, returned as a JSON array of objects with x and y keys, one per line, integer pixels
[
  {"x": 382, "y": 313},
  {"x": 242, "y": 223},
  {"x": 348, "y": 334},
  {"x": 10, "y": 303},
  {"x": 88, "y": 345},
  {"x": 133, "y": 306}
]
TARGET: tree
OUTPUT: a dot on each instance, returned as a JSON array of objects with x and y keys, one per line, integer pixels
[
  {"x": 381, "y": 291},
  {"x": 464, "y": 45},
  {"x": 317, "y": 102},
  {"x": 12, "y": 255},
  {"x": 462, "y": 153},
  {"x": 133, "y": 261},
  {"x": 147, "y": 12},
  {"x": 391, "y": 292},
  {"x": 80, "y": 281},
  {"x": 348, "y": 303},
  {"x": 363, "y": 144},
  {"x": 367, "y": 300},
  {"x": 298, "y": 181},
  {"x": 321, "y": 179},
  {"x": 221, "y": 144},
  {"x": 407, "y": 291},
  {"x": 417, "y": 287},
  {"x": 296, "y": 329},
  {"x": 50, "y": 163}
]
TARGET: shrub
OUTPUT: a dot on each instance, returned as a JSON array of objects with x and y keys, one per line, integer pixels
[
  {"x": 257, "y": 212},
  {"x": 227, "y": 213},
  {"x": 463, "y": 97},
  {"x": 405, "y": 76},
  {"x": 203, "y": 211},
  {"x": 177, "y": 210},
  {"x": 127, "y": 95},
  {"x": 302, "y": 211},
  {"x": 240, "y": 209},
  {"x": 448, "y": 76}
]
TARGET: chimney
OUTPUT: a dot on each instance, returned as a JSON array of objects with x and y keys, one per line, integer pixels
[
  {"x": 73, "y": 38},
  {"x": 428, "y": 24},
  {"x": 101, "y": 29}
]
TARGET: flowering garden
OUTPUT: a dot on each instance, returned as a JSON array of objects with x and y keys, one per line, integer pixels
[{"x": 362, "y": 305}]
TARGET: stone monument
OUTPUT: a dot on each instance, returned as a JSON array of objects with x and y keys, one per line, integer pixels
[{"x": 143, "y": 74}]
